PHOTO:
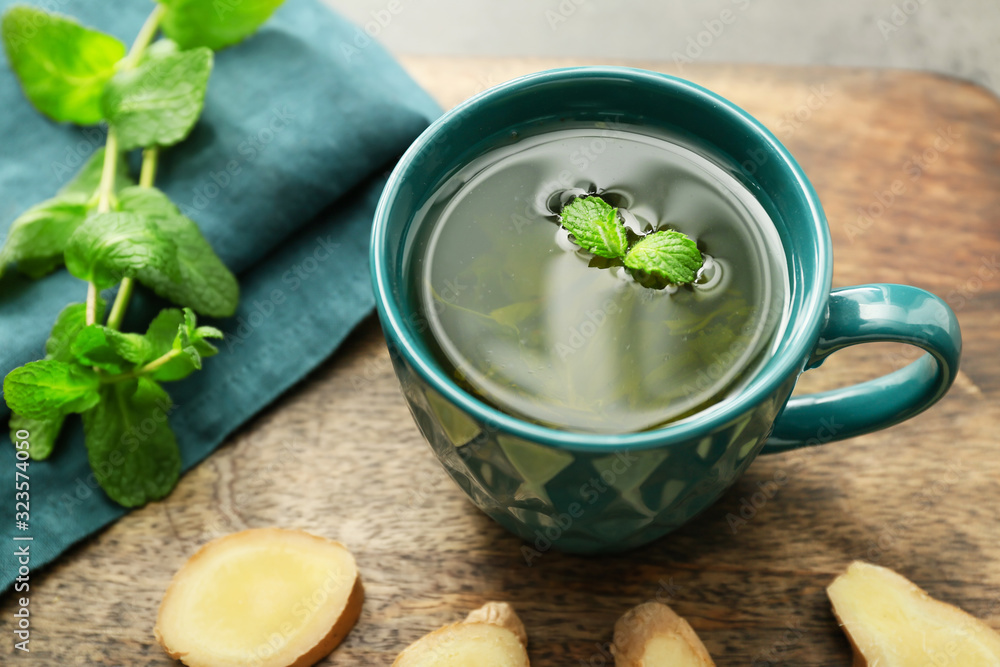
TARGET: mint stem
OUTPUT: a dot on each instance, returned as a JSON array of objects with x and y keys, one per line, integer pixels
[
  {"x": 148, "y": 173},
  {"x": 120, "y": 304},
  {"x": 105, "y": 190},
  {"x": 91, "y": 310},
  {"x": 145, "y": 36},
  {"x": 143, "y": 370},
  {"x": 146, "y": 177},
  {"x": 149, "y": 158}
]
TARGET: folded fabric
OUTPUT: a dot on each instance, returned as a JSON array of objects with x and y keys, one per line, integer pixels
[{"x": 282, "y": 174}]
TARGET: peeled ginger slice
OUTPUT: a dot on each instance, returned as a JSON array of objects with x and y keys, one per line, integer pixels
[
  {"x": 265, "y": 597},
  {"x": 893, "y": 623},
  {"x": 491, "y": 636},
  {"x": 652, "y": 635}
]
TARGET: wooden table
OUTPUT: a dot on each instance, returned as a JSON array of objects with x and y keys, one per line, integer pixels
[{"x": 922, "y": 497}]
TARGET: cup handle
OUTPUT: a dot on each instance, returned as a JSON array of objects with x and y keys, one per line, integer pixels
[{"x": 868, "y": 314}]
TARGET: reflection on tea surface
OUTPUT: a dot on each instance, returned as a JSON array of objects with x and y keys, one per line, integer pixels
[{"x": 538, "y": 328}]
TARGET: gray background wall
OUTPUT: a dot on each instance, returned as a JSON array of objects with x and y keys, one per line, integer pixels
[{"x": 957, "y": 37}]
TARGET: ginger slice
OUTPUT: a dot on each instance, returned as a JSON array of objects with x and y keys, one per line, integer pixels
[
  {"x": 891, "y": 622},
  {"x": 266, "y": 597},
  {"x": 491, "y": 636},
  {"x": 652, "y": 635}
]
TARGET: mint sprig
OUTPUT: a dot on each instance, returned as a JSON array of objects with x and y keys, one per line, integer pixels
[
  {"x": 668, "y": 255},
  {"x": 109, "y": 231}
]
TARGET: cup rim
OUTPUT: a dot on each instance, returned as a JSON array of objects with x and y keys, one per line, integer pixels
[{"x": 799, "y": 341}]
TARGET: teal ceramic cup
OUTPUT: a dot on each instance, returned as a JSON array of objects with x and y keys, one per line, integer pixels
[{"x": 593, "y": 493}]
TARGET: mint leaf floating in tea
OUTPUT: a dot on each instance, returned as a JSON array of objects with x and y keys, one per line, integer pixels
[
  {"x": 669, "y": 255},
  {"x": 595, "y": 226}
]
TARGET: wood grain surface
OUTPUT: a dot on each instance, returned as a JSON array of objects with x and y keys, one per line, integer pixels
[{"x": 340, "y": 456}]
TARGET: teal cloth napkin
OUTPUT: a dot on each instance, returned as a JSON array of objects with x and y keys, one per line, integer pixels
[{"x": 282, "y": 174}]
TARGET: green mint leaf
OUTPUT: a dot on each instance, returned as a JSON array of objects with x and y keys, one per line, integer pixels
[
  {"x": 48, "y": 388},
  {"x": 189, "y": 353},
  {"x": 595, "y": 226},
  {"x": 204, "y": 332},
  {"x": 162, "y": 330},
  {"x": 110, "y": 350},
  {"x": 131, "y": 463},
  {"x": 215, "y": 24},
  {"x": 44, "y": 433},
  {"x": 69, "y": 323},
  {"x": 110, "y": 246},
  {"x": 85, "y": 182},
  {"x": 196, "y": 335},
  {"x": 37, "y": 238},
  {"x": 188, "y": 340},
  {"x": 204, "y": 282},
  {"x": 149, "y": 392},
  {"x": 161, "y": 334},
  {"x": 158, "y": 102},
  {"x": 62, "y": 66},
  {"x": 668, "y": 254}
]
